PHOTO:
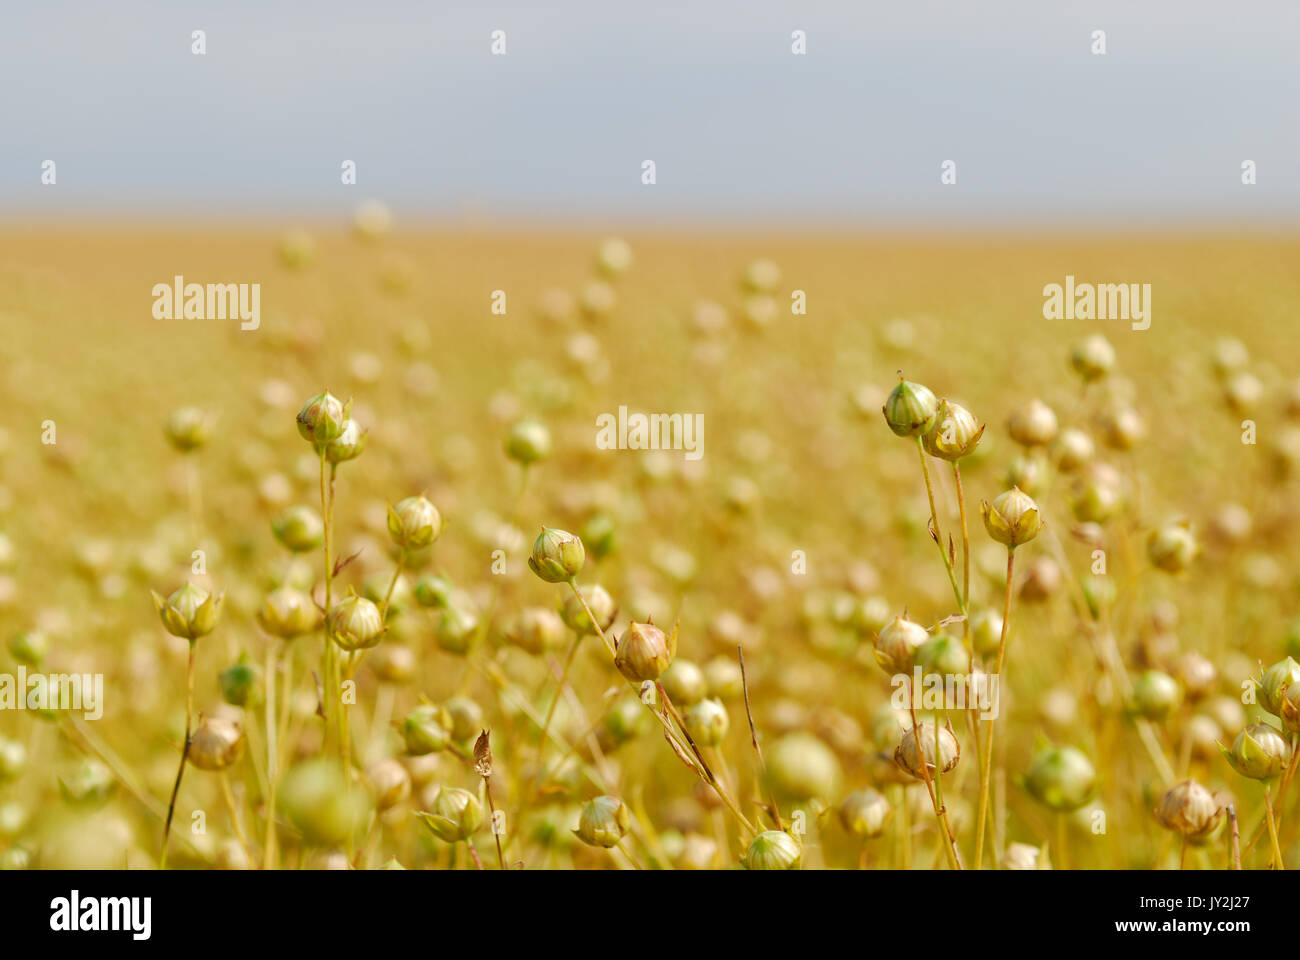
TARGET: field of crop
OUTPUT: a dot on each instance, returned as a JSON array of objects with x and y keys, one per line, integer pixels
[{"x": 455, "y": 709}]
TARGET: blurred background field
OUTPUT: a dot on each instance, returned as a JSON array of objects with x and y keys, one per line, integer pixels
[{"x": 796, "y": 458}]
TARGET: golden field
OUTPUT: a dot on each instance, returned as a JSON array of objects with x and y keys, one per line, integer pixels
[{"x": 796, "y": 457}]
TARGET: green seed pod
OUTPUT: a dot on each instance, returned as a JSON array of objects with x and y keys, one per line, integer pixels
[
  {"x": 537, "y": 630},
  {"x": 1189, "y": 809},
  {"x": 217, "y": 743},
  {"x": 597, "y": 300},
  {"x": 190, "y": 612},
  {"x": 943, "y": 655},
  {"x": 986, "y": 632},
  {"x": 1172, "y": 548},
  {"x": 13, "y": 759},
  {"x": 394, "y": 663},
  {"x": 761, "y": 276},
  {"x": 296, "y": 250},
  {"x": 466, "y": 718},
  {"x": 911, "y": 409},
  {"x": 317, "y": 799},
  {"x": 954, "y": 434},
  {"x": 321, "y": 418},
  {"x": 15, "y": 858},
  {"x": 603, "y": 823},
  {"x": 626, "y": 718},
  {"x": 864, "y": 813},
  {"x": 1197, "y": 674},
  {"x": 1092, "y": 358},
  {"x": 187, "y": 429},
  {"x": 1242, "y": 393},
  {"x": 425, "y": 730},
  {"x": 1289, "y": 708},
  {"x": 723, "y": 679},
  {"x": 644, "y": 652},
  {"x": 455, "y": 629},
  {"x": 288, "y": 613},
  {"x": 356, "y": 624},
  {"x": 1155, "y": 694},
  {"x": 1032, "y": 425},
  {"x": 557, "y": 556},
  {"x": 600, "y": 534},
  {"x": 414, "y": 523},
  {"x": 613, "y": 257},
  {"x": 433, "y": 591},
  {"x": 685, "y": 683},
  {"x": 241, "y": 684},
  {"x": 528, "y": 442},
  {"x": 1062, "y": 778},
  {"x": 1028, "y": 471},
  {"x": 918, "y": 746},
  {"x": 1073, "y": 450},
  {"x": 800, "y": 767},
  {"x": 1260, "y": 752},
  {"x": 602, "y": 605},
  {"x": 871, "y": 616},
  {"x": 897, "y": 644},
  {"x": 1122, "y": 428},
  {"x": 1275, "y": 682},
  {"x": 1099, "y": 592},
  {"x": 348, "y": 445},
  {"x": 89, "y": 784},
  {"x": 772, "y": 850},
  {"x": 30, "y": 648},
  {"x": 1012, "y": 519},
  {"x": 389, "y": 782},
  {"x": 454, "y": 815},
  {"x": 707, "y": 722},
  {"x": 372, "y": 220},
  {"x": 1097, "y": 494},
  {"x": 300, "y": 529}
]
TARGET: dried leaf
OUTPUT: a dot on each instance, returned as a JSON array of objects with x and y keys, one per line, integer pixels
[
  {"x": 483, "y": 755},
  {"x": 340, "y": 564}
]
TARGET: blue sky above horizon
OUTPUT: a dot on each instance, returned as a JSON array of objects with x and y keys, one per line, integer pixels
[{"x": 1041, "y": 130}]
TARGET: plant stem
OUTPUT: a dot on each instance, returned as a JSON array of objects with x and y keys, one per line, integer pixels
[
  {"x": 934, "y": 527},
  {"x": 1272, "y": 829},
  {"x": 272, "y": 754},
  {"x": 993, "y": 723},
  {"x": 185, "y": 753},
  {"x": 965, "y": 542}
]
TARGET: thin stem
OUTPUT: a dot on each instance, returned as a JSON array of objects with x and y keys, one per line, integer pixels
[
  {"x": 993, "y": 723},
  {"x": 185, "y": 753},
  {"x": 753, "y": 736},
  {"x": 234, "y": 814},
  {"x": 383, "y": 607},
  {"x": 326, "y": 509},
  {"x": 949, "y": 844},
  {"x": 1236, "y": 838},
  {"x": 496, "y": 833},
  {"x": 934, "y": 526},
  {"x": 965, "y": 541},
  {"x": 564, "y": 678},
  {"x": 1272, "y": 829},
  {"x": 272, "y": 754}
]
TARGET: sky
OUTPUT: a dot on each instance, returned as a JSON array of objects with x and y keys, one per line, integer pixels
[{"x": 740, "y": 129}]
